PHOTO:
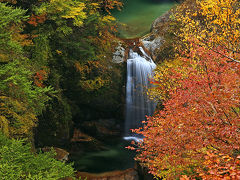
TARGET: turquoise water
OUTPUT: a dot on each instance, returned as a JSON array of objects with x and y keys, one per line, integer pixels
[{"x": 138, "y": 15}]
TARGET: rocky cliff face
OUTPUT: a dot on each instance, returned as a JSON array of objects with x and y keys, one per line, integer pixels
[{"x": 153, "y": 41}]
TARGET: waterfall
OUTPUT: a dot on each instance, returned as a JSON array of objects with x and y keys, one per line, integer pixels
[{"x": 138, "y": 105}]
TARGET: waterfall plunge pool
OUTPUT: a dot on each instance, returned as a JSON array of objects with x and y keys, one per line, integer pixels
[
  {"x": 115, "y": 156},
  {"x": 138, "y": 16}
]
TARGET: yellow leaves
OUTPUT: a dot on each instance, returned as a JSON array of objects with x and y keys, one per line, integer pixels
[
  {"x": 108, "y": 19},
  {"x": 16, "y": 120},
  {"x": 162, "y": 80},
  {"x": 65, "y": 9},
  {"x": 4, "y": 125},
  {"x": 96, "y": 5},
  {"x": 210, "y": 18},
  {"x": 59, "y": 52},
  {"x": 88, "y": 81},
  {"x": 77, "y": 14},
  {"x": 95, "y": 84}
]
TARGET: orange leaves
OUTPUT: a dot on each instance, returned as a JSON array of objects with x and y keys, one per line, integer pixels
[
  {"x": 22, "y": 39},
  {"x": 184, "y": 177},
  {"x": 214, "y": 23},
  {"x": 220, "y": 166},
  {"x": 35, "y": 20},
  {"x": 40, "y": 77},
  {"x": 200, "y": 94},
  {"x": 201, "y": 113},
  {"x": 111, "y": 4}
]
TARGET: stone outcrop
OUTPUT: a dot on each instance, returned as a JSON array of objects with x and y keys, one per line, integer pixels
[
  {"x": 61, "y": 154},
  {"x": 119, "y": 54},
  {"x": 154, "y": 40},
  {"x": 79, "y": 136},
  {"x": 160, "y": 20},
  {"x": 81, "y": 142},
  {"x": 102, "y": 129},
  {"x": 151, "y": 43},
  {"x": 129, "y": 174}
]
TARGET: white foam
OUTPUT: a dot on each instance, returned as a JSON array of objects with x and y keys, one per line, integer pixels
[{"x": 132, "y": 138}]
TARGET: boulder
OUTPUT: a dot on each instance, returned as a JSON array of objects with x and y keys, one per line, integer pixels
[
  {"x": 152, "y": 44},
  {"x": 61, "y": 154},
  {"x": 128, "y": 174},
  {"x": 102, "y": 129},
  {"x": 160, "y": 20}
]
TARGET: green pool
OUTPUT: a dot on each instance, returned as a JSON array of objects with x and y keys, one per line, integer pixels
[
  {"x": 138, "y": 15},
  {"x": 115, "y": 157}
]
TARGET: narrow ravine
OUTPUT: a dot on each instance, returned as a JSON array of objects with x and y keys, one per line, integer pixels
[{"x": 137, "y": 15}]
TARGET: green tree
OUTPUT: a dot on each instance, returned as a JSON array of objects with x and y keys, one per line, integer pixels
[
  {"x": 10, "y": 26},
  {"x": 20, "y": 99}
]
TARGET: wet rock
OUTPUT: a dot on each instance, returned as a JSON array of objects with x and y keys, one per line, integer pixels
[
  {"x": 152, "y": 44},
  {"x": 79, "y": 136},
  {"x": 102, "y": 129},
  {"x": 61, "y": 154},
  {"x": 143, "y": 172},
  {"x": 129, "y": 174},
  {"x": 154, "y": 40},
  {"x": 119, "y": 54},
  {"x": 82, "y": 141}
]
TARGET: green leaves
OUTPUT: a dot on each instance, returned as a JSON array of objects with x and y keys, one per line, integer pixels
[
  {"x": 21, "y": 100},
  {"x": 18, "y": 162},
  {"x": 16, "y": 83},
  {"x": 10, "y": 24}
]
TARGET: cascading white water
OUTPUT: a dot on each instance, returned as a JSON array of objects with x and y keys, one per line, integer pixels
[{"x": 138, "y": 105}]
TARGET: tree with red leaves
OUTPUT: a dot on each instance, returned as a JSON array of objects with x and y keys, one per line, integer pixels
[{"x": 201, "y": 116}]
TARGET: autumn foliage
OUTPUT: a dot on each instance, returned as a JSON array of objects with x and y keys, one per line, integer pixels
[
  {"x": 197, "y": 133},
  {"x": 220, "y": 166},
  {"x": 212, "y": 23},
  {"x": 202, "y": 114},
  {"x": 40, "y": 77},
  {"x": 34, "y": 20}
]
